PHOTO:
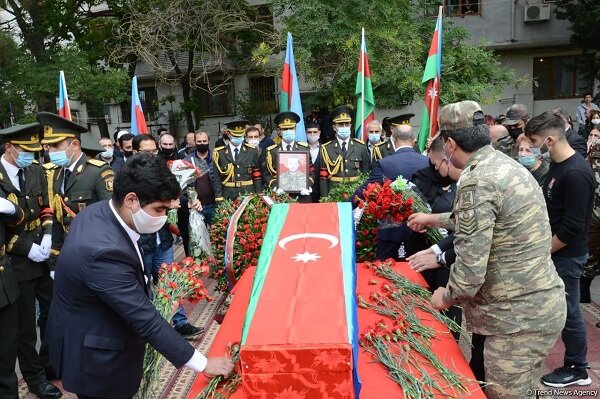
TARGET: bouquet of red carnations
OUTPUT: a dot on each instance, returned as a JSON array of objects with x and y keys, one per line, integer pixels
[{"x": 384, "y": 204}]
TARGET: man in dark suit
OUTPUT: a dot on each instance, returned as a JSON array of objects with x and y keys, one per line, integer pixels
[
  {"x": 101, "y": 315},
  {"x": 313, "y": 135},
  {"x": 397, "y": 242}
]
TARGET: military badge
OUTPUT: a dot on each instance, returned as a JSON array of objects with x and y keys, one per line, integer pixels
[
  {"x": 466, "y": 221},
  {"x": 80, "y": 206},
  {"x": 109, "y": 184},
  {"x": 466, "y": 197},
  {"x": 80, "y": 169}
]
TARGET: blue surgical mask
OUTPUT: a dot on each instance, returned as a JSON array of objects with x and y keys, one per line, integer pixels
[
  {"x": 374, "y": 138},
  {"x": 107, "y": 154},
  {"x": 24, "y": 159},
  {"x": 236, "y": 141},
  {"x": 528, "y": 160},
  {"x": 288, "y": 136},
  {"x": 343, "y": 132},
  {"x": 60, "y": 158},
  {"x": 543, "y": 154}
]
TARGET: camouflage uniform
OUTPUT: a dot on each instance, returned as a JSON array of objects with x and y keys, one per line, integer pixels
[
  {"x": 503, "y": 276},
  {"x": 505, "y": 145},
  {"x": 540, "y": 173}
]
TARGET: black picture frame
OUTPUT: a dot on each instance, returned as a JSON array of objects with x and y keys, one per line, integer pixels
[{"x": 290, "y": 181}]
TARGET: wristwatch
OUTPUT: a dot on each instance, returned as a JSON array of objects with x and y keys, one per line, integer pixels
[{"x": 440, "y": 259}]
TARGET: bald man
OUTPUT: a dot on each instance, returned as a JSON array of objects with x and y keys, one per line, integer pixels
[{"x": 501, "y": 140}]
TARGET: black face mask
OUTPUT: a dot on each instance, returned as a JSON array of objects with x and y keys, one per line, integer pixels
[
  {"x": 167, "y": 152},
  {"x": 202, "y": 148},
  {"x": 515, "y": 132},
  {"x": 128, "y": 153}
]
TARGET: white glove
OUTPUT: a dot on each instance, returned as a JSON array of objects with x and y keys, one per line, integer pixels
[
  {"x": 37, "y": 253},
  {"x": 46, "y": 243},
  {"x": 7, "y": 207},
  {"x": 306, "y": 191},
  {"x": 279, "y": 191},
  {"x": 52, "y": 274}
]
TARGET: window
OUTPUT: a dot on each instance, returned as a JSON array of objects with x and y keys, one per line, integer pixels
[
  {"x": 149, "y": 100},
  {"x": 558, "y": 77},
  {"x": 220, "y": 102},
  {"x": 455, "y": 8},
  {"x": 98, "y": 111},
  {"x": 262, "y": 93}
]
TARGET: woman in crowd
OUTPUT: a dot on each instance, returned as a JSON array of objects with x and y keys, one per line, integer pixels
[{"x": 530, "y": 157}]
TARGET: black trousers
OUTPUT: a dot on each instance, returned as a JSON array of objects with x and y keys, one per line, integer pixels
[
  {"x": 43, "y": 294},
  {"x": 29, "y": 360},
  {"x": 9, "y": 316}
]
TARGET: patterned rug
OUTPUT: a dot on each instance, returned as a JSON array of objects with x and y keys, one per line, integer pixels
[{"x": 174, "y": 384}]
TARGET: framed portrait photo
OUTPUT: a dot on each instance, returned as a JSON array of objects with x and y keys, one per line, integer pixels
[{"x": 293, "y": 171}]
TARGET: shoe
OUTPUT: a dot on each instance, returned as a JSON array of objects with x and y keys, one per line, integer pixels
[
  {"x": 565, "y": 376},
  {"x": 189, "y": 331},
  {"x": 45, "y": 390}
]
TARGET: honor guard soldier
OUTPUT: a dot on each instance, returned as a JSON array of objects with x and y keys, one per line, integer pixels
[
  {"x": 74, "y": 180},
  {"x": 344, "y": 158},
  {"x": 286, "y": 123},
  {"x": 23, "y": 180},
  {"x": 237, "y": 165},
  {"x": 386, "y": 148},
  {"x": 11, "y": 216}
]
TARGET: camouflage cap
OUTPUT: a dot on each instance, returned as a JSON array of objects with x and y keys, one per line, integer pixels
[
  {"x": 515, "y": 113},
  {"x": 461, "y": 115}
]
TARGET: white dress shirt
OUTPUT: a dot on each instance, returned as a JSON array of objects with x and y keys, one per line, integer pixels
[
  {"x": 198, "y": 361},
  {"x": 314, "y": 153},
  {"x": 12, "y": 171}
]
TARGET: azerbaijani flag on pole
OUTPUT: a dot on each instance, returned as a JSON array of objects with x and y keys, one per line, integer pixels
[
  {"x": 431, "y": 78},
  {"x": 289, "y": 95},
  {"x": 63, "y": 99},
  {"x": 138, "y": 122},
  {"x": 365, "y": 107}
]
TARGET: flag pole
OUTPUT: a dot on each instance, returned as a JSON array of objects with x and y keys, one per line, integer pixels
[{"x": 362, "y": 108}]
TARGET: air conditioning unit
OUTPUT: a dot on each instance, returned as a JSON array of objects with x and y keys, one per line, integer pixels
[{"x": 540, "y": 12}]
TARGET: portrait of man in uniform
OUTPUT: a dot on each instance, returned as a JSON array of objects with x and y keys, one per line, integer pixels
[{"x": 292, "y": 171}]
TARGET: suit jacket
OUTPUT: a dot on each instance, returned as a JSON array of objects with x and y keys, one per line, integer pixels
[
  {"x": 447, "y": 247},
  {"x": 405, "y": 162},
  {"x": 101, "y": 315},
  {"x": 316, "y": 187}
]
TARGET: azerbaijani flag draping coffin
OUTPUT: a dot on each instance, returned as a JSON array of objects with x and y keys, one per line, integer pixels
[{"x": 301, "y": 331}]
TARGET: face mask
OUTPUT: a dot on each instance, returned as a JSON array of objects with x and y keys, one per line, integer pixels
[
  {"x": 60, "y": 158},
  {"x": 312, "y": 138},
  {"x": 167, "y": 152},
  {"x": 515, "y": 132},
  {"x": 24, "y": 159},
  {"x": 288, "y": 136},
  {"x": 147, "y": 224},
  {"x": 202, "y": 148},
  {"x": 128, "y": 153},
  {"x": 528, "y": 161},
  {"x": 374, "y": 138},
  {"x": 254, "y": 141},
  {"x": 543, "y": 154},
  {"x": 596, "y": 121},
  {"x": 107, "y": 154},
  {"x": 447, "y": 158},
  {"x": 343, "y": 132},
  {"x": 236, "y": 141}
]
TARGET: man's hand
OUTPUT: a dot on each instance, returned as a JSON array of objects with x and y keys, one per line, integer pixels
[
  {"x": 46, "y": 243},
  {"x": 423, "y": 260},
  {"x": 174, "y": 307},
  {"x": 6, "y": 207},
  {"x": 37, "y": 254},
  {"x": 278, "y": 191},
  {"x": 306, "y": 191},
  {"x": 175, "y": 204},
  {"x": 218, "y": 366},
  {"x": 437, "y": 299},
  {"x": 420, "y": 221},
  {"x": 197, "y": 205}
]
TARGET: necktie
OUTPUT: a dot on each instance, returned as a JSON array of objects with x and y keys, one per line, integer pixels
[
  {"x": 236, "y": 152},
  {"x": 21, "y": 181},
  {"x": 344, "y": 147},
  {"x": 289, "y": 147},
  {"x": 66, "y": 179}
]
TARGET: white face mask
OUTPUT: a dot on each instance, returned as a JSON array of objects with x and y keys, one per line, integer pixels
[
  {"x": 596, "y": 121},
  {"x": 312, "y": 138},
  {"x": 253, "y": 141},
  {"x": 147, "y": 224}
]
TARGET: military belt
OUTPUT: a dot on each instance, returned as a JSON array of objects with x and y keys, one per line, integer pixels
[
  {"x": 34, "y": 224},
  {"x": 238, "y": 183},
  {"x": 342, "y": 179}
]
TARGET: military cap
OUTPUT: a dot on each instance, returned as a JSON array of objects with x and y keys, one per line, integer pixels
[
  {"x": 459, "y": 116},
  {"x": 25, "y": 136},
  {"x": 237, "y": 128},
  {"x": 57, "y": 128},
  {"x": 286, "y": 120},
  {"x": 515, "y": 113},
  {"x": 403, "y": 119},
  {"x": 90, "y": 146},
  {"x": 341, "y": 114}
]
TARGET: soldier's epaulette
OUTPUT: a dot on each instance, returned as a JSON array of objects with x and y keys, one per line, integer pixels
[
  {"x": 302, "y": 144},
  {"x": 382, "y": 143},
  {"x": 249, "y": 145},
  {"x": 219, "y": 148},
  {"x": 269, "y": 148},
  {"x": 329, "y": 142},
  {"x": 96, "y": 162},
  {"x": 50, "y": 166},
  {"x": 35, "y": 161},
  {"x": 358, "y": 141}
]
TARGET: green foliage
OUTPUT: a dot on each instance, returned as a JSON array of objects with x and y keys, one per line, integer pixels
[
  {"x": 327, "y": 43},
  {"x": 584, "y": 16}
]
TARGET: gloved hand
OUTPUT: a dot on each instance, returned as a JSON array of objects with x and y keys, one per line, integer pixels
[
  {"x": 279, "y": 191},
  {"x": 6, "y": 207},
  {"x": 306, "y": 191},
  {"x": 46, "y": 243},
  {"x": 37, "y": 253},
  {"x": 52, "y": 274}
]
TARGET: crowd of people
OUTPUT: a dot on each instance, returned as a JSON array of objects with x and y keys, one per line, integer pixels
[{"x": 503, "y": 188}]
